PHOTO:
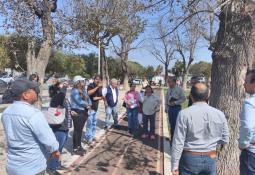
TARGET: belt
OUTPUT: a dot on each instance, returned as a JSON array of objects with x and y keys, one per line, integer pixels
[{"x": 210, "y": 153}]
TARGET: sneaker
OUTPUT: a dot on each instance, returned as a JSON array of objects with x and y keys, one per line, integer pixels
[
  {"x": 152, "y": 137},
  {"x": 87, "y": 142},
  {"x": 144, "y": 136},
  {"x": 78, "y": 152}
]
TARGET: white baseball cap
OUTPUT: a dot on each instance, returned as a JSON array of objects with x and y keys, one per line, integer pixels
[{"x": 78, "y": 78}]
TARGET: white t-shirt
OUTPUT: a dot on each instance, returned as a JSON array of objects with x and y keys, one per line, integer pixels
[{"x": 114, "y": 93}]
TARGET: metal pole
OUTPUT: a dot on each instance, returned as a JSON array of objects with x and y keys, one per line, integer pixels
[{"x": 99, "y": 57}]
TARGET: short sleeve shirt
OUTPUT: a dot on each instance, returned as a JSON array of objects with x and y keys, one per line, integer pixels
[{"x": 98, "y": 93}]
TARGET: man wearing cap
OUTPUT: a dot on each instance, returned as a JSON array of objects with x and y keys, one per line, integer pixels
[
  {"x": 28, "y": 134},
  {"x": 198, "y": 130}
]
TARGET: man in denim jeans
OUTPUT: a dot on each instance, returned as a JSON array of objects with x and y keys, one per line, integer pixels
[
  {"x": 199, "y": 129},
  {"x": 247, "y": 132},
  {"x": 95, "y": 94},
  {"x": 110, "y": 94}
]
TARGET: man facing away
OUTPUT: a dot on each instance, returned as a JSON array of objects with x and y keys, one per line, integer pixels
[
  {"x": 247, "y": 128},
  {"x": 28, "y": 134},
  {"x": 111, "y": 94},
  {"x": 199, "y": 129}
]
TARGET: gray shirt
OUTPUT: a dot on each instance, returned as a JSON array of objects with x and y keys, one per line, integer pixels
[
  {"x": 176, "y": 93},
  {"x": 199, "y": 128},
  {"x": 151, "y": 104}
]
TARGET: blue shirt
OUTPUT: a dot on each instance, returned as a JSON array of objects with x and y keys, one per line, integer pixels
[
  {"x": 247, "y": 125},
  {"x": 77, "y": 102},
  {"x": 29, "y": 138}
]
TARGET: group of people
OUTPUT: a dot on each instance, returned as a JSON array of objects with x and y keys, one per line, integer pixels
[
  {"x": 35, "y": 145},
  {"x": 146, "y": 103},
  {"x": 198, "y": 129}
]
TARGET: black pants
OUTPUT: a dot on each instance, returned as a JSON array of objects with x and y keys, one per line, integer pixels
[{"x": 78, "y": 123}]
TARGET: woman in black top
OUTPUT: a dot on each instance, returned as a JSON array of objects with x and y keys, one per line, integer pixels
[{"x": 59, "y": 100}]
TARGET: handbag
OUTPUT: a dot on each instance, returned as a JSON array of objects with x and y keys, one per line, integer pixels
[{"x": 54, "y": 116}]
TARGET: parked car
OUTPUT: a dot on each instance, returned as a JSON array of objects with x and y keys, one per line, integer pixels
[
  {"x": 7, "y": 78},
  {"x": 3, "y": 86},
  {"x": 137, "y": 81}
]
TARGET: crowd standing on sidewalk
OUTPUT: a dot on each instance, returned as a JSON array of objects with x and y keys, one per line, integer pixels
[{"x": 35, "y": 140}]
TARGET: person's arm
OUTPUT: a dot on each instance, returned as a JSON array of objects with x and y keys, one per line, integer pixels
[
  {"x": 76, "y": 97},
  {"x": 247, "y": 123},
  {"x": 104, "y": 92},
  {"x": 225, "y": 132},
  {"x": 91, "y": 90},
  {"x": 182, "y": 97},
  {"x": 43, "y": 132},
  {"x": 166, "y": 101},
  {"x": 178, "y": 140}
]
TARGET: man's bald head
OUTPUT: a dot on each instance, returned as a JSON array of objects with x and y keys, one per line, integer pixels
[{"x": 199, "y": 92}]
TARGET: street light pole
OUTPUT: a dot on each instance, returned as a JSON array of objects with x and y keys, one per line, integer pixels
[{"x": 99, "y": 57}]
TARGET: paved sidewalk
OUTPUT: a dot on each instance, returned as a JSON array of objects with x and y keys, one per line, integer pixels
[{"x": 67, "y": 158}]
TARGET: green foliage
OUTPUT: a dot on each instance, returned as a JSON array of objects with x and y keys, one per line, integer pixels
[
  {"x": 178, "y": 68},
  {"x": 201, "y": 68},
  {"x": 135, "y": 70},
  {"x": 16, "y": 49},
  {"x": 66, "y": 64},
  {"x": 158, "y": 70},
  {"x": 4, "y": 58}
]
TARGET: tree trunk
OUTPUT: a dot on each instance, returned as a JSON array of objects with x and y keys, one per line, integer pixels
[
  {"x": 232, "y": 56},
  {"x": 184, "y": 80},
  {"x": 104, "y": 67},
  {"x": 166, "y": 73},
  {"x": 124, "y": 64},
  {"x": 38, "y": 64}
]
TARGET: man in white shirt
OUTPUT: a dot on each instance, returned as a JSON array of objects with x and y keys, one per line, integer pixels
[{"x": 110, "y": 94}]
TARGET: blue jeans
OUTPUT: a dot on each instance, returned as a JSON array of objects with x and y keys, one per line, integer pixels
[
  {"x": 146, "y": 119},
  {"x": 132, "y": 118},
  {"x": 197, "y": 165},
  {"x": 91, "y": 126},
  {"x": 111, "y": 111},
  {"x": 247, "y": 163},
  {"x": 173, "y": 112},
  {"x": 61, "y": 137}
]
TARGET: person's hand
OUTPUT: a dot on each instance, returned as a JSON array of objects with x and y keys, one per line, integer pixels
[
  {"x": 73, "y": 113},
  {"x": 166, "y": 111},
  {"x": 175, "y": 172},
  {"x": 100, "y": 84},
  {"x": 97, "y": 98},
  {"x": 89, "y": 108},
  {"x": 105, "y": 105},
  {"x": 55, "y": 154}
]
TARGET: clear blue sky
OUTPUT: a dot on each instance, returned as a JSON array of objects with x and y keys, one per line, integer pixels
[{"x": 141, "y": 55}]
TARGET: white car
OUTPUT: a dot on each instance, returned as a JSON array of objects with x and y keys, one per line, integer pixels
[{"x": 6, "y": 78}]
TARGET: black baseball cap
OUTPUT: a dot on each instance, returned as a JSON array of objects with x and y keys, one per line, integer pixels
[{"x": 21, "y": 85}]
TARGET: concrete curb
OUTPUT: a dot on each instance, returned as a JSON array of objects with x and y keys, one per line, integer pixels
[{"x": 166, "y": 142}]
